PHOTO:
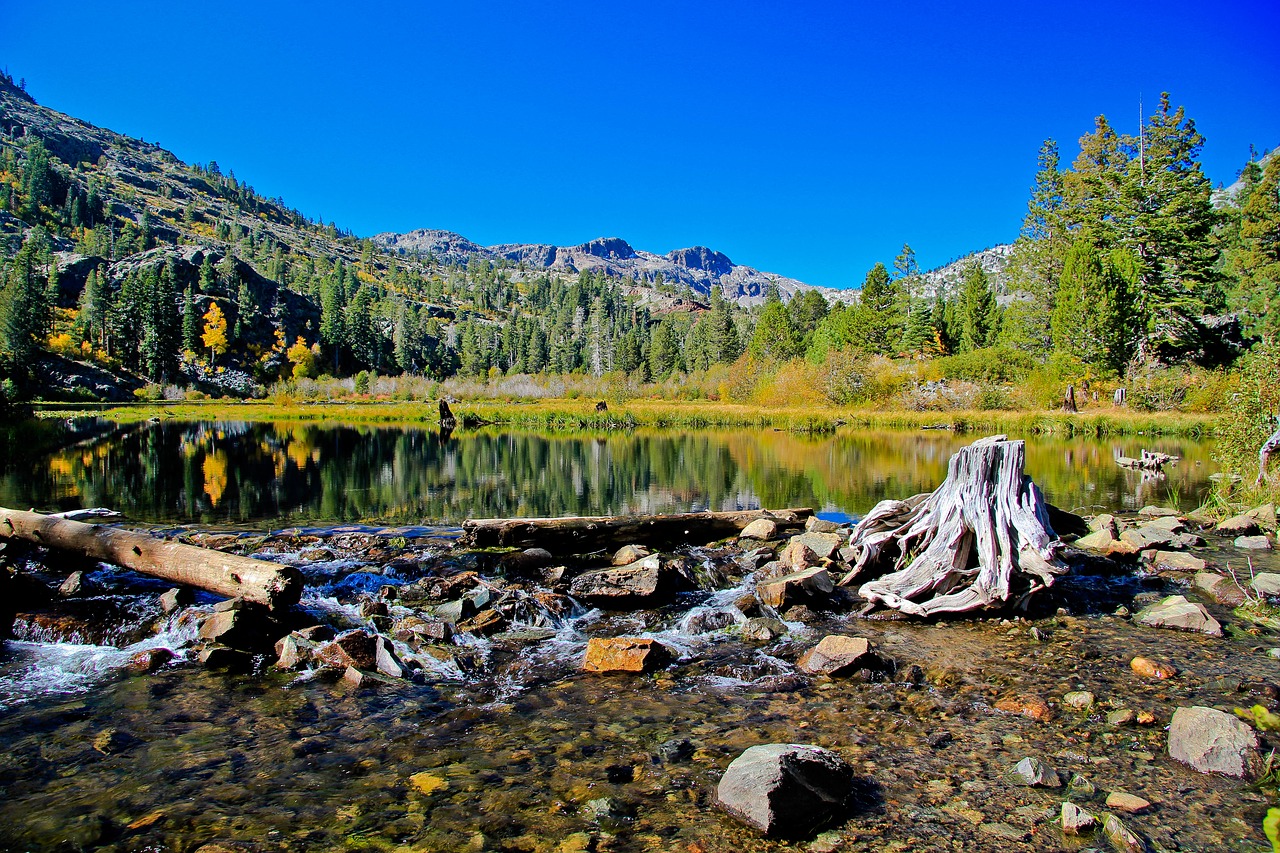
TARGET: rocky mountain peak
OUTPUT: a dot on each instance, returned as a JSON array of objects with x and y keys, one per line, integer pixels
[
  {"x": 702, "y": 258},
  {"x": 608, "y": 248}
]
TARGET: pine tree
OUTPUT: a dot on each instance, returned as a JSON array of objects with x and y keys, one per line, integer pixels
[
  {"x": 1257, "y": 260},
  {"x": 876, "y": 325},
  {"x": 977, "y": 309},
  {"x": 190, "y": 322},
  {"x": 26, "y": 309},
  {"x": 774, "y": 338}
]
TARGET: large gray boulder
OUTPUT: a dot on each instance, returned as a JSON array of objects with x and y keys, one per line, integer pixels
[
  {"x": 642, "y": 582},
  {"x": 786, "y": 789},
  {"x": 1213, "y": 741},
  {"x": 1176, "y": 612}
]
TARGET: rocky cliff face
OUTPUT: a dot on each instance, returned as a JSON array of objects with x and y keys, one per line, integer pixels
[{"x": 697, "y": 268}]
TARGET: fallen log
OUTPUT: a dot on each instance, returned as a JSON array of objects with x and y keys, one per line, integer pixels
[
  {"x": 1150, "y": 460},
  {"x": 580, "y": 535},
  {"x": 223, "y": 574},
  {"x": 982, "y": 539}
]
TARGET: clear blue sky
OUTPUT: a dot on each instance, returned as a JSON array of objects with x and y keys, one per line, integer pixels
[{"x": 807, "y": 139}]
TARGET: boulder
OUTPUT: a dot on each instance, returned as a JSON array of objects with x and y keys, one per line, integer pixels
[
  {"x": 1099, "y": 540},
  {"x": 1149, "y": 537},
  {"x": 798, "y": 556},
  {"x": 247, "y": 629},
  {"x": 837, "y": 655},
  {"x": 1076, "y": 820},
  {"x": 149, "y": 660},
  {"x": 1178, "y": 561},
  {"x": 356, "y": 649},
  {"x": 1035, "y": 773},
  {"x": 628, "y": 554},
  {"x": 1212, "y": 741},
  {"x": 762, "y": 629},
  {"x": 1176, "y": 612},
  {"x": 179, "y": 596},
  {"x": 386, "y": 660},
  {"x": 813, "y": 524},
  {"x": 1219, "y": 588},
  {"x": 823, "y": 545},
  {"x": 1122, "y": 801},
  {"x": 642, "y": 582},
  {"x": 526, "y": 562},
  {"x": 761, "y": 528},
  {"x": 1237, "y": 525},
  {"x": 1253, "y": 543},
  {"x": 812, "y": 585},
  {"x": 1265, "y": 515},
  {"x": 625, "y": 654},
  {"x": 1266, "y": 583},
  {"x": 1171, "y": 523},
  {"x": 74, "y": 585},
  {"x": 294, "y": 651},
  {"x": 1106, "y": 521},
  {"x": 786, "y": 790}
]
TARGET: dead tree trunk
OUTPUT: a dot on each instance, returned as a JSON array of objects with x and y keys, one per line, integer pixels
[
  {"x": 983, "y": 539},
  {"x": 1069, "y": 400},
  {"x": 223, "y": 574},
  {"x": 579, "y": 535},
  {"x": 1270, "y": 446}
]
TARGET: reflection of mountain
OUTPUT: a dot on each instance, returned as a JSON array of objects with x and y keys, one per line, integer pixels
[{"x": 290, "y": 473}]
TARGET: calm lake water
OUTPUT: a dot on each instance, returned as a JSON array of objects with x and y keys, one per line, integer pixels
[{"x": 262, "y": 474}]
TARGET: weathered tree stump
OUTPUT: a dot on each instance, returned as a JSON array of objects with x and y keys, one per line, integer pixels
[
  {"x": 1271, "y": 445},
  {"x": 982, "y": 539},
  {"x": 447, "y": 420},
  {"x": 1069, "y": 400}
]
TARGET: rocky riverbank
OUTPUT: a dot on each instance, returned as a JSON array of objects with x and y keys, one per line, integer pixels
[{"x": 608, "y": 694}]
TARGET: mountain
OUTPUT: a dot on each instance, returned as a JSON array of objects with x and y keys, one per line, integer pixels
[
  {"x": 949, "y": 277},
  {"x": 698, "y": 268}
]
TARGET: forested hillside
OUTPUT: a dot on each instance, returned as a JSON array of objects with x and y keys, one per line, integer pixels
[{"x": 127, "y": 271}]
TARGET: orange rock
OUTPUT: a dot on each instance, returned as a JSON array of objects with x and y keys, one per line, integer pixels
[
  {"x": 1028, "y": 706},
  {"x": 149, "y": 660},
  {"x": 625, "y": 654},
  {"x": 1148, "y": 668}
]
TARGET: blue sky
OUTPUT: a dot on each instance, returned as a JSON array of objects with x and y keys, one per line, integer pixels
[{"x": 806, "y": 139}]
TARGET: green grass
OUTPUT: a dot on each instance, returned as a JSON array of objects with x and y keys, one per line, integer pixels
[{"x": 580, "y": 415}]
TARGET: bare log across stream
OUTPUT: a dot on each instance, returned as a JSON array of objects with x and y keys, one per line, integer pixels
[
  {"x": 577, "y": 535},
  {"x": 220, "y": 573},
  {"x": 982, "y": 539}
]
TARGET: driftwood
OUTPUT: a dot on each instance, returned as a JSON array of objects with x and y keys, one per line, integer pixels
[
  {"x": 982, "y": 539},
  {"x": 223, "y": 574},
  {"x": 1149, "y": 460},
  {"x": 580, "y": 535}
]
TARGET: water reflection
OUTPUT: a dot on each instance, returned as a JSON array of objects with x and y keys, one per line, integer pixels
[{"x": 230, "y": 472}]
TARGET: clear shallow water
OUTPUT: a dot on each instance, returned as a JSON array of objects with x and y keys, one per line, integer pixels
[
  {"x": 507, "y": 745},
  {"x": 296, "y": 473}
]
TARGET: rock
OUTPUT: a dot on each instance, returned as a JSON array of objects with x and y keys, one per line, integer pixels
[
  {"x": 1098, "y": 540},
  {"x": 149, "y": 660},
  {"x": 813, "y": 524},
  {"x": 1122, "y": 838},
  {"x": 1156, "y": 512},
  {"x": 413, "y": 629},
  {"x": 427, "y": 783},
  {"x": 294, "y": 651},
  {"x": 1253, "y": 543},
  {"x": 675, "y": 750},
  {"x": 628, "y": 554},
  {"x": 762, "y": 629},
  {"x": 837, "y": 655},
  {"x": 625, "y": 654},
  {"x": 1078, "y": 700},
  {"x": 761, "y": 528},
  {"x": 642, "y": 582},
  {"x": 244, "y": 628},
  {"x": 1076, "y": 820},
  {"x": 1237, "y": 525},
  {"x": 1105, "y": 521},
  {"x": 1080, "y": 787},
  {"x": 179, "y": 596},
  {"x": 808, "y": 586},
  {"x": 1119, "y": 718},
  {"x": 528, "y": 561},
  {"x": 1035, "y": 773},
  {"x": 823, "y": 545},
  {"x": 1265, "y": 515},
  {"x": 798, "y": 556},
  {"x": 1176, "y": 612},
  {"x": 454, "y": 611},
  {"x": 356, "y": 649},
  {"x": 1149, "y": 537},
  {"x": 709, "y": 619},
  {"x": 483, "y": 624},
  {"x": 1026, "y": 705},
  {"x": 1178, "y": 561},
  {"x": 387, "y": 661},
  {"x": 1152, "y": 669},
  {"x": 218, "y": 656},
  {"x": 74, "y": 585},
  {"x": 358, "y": 679},
  {"x": 1171, "y": 523},
  {"x": 1124, "y": 802},
  {"x": 786, "y": 790},
  {"x": 1219, "y": 588},
  {"x": 752, "y": 560},
  {"x": 1266, "y": 583},
  {"x": 1212, "y": 741}
]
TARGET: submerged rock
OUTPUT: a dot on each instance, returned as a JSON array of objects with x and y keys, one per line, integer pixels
[
  {"x": 1266, "y": 583},
  {"x": 356, "y": 649},
  {"x": 1253, "y": 543},
  {"x": 1125, "y": 802},
  {"x": 786, "y": 790},
  {"x": 1076, "y": 820},
  {"x": 1176, "y": 612},
  {"x": 763, "y": 629},
  {"x": 625, "y": 654},
  {"x": 1212, "y": 741},
  {"x": 1122, "y": 838},
  {"x": 837, "y": 655},
  {"x": 1035, "y": 773},
  {"x": 1152, "y": 669}
]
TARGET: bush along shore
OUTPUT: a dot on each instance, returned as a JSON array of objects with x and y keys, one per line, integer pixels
[{"x": 1106, "y": 709}]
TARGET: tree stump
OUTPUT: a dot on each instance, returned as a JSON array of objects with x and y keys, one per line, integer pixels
[
  {"x": 1069, "y": 400},
  {"x": 981, "y": 540}
]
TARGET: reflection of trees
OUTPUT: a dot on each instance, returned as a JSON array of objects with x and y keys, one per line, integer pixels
[{"x": 236, "y": 472}]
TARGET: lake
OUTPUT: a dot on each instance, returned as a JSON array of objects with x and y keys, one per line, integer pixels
[{"x": 295, "y": 473}]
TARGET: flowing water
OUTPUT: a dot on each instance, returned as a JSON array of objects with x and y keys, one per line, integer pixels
[{"x": 503, "y": 743}]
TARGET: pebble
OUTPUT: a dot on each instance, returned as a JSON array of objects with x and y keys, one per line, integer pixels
[
  {"x": 1150, "y": 669},
  {"x": 1027, "y": 706},
  {"x": 1079, "y": 700},
  {"x": 1125, "y": 802}
]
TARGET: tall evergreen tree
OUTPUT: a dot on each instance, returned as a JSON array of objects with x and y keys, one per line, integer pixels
[{"x": 977, "y": 309}]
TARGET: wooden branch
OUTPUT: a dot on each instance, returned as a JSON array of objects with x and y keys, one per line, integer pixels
[
  {"x": 579, "y": 535},
  {"x": 980, "y": 538},
  {"x": 223, "y": 574}
]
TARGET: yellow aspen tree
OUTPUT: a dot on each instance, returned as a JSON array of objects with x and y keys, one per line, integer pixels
[{"x": 215, "y": 331}]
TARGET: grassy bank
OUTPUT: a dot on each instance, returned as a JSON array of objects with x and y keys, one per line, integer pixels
[{"x": 561, "y": 415}]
